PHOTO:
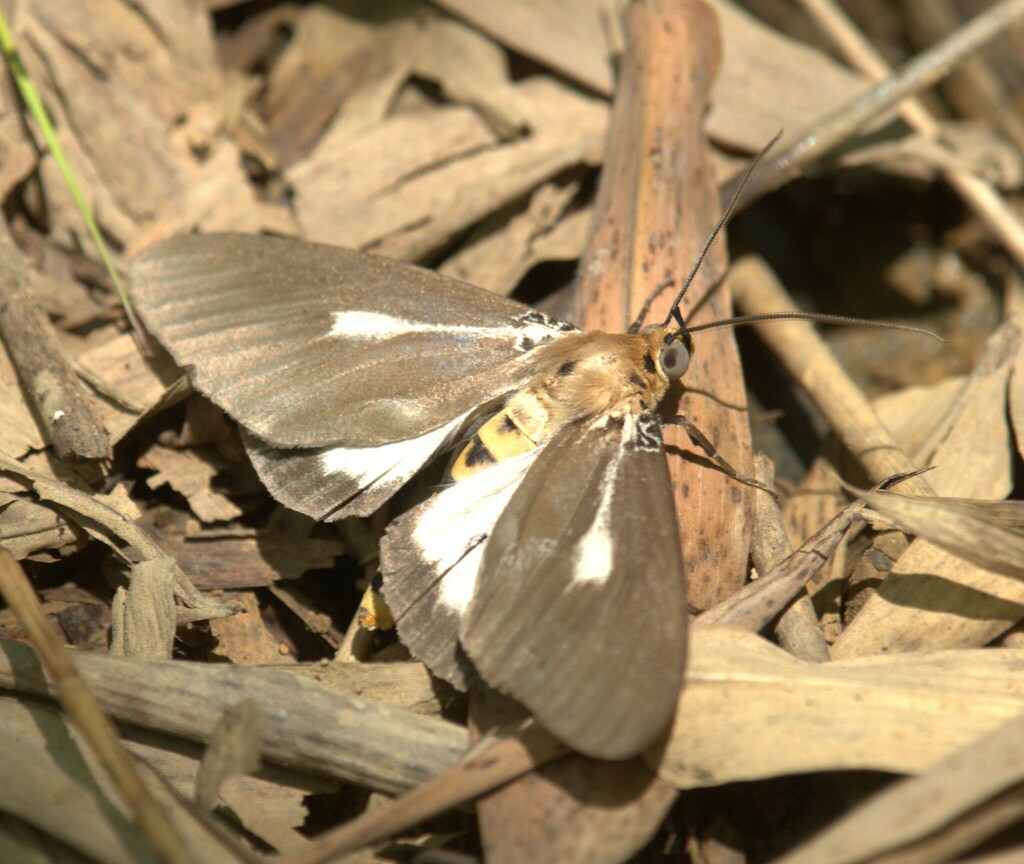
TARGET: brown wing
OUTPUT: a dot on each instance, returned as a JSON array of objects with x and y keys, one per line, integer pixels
[
  {"x": 308, "y": 345},
  {"x": 430, "y": 558},
  {"x": 580, "y": 607}
]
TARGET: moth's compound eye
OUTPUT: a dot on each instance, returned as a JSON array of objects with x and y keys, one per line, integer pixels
[{"x": 674, "y": 359}]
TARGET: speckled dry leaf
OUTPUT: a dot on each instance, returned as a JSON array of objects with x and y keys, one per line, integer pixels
[
  {"x": 117, "y": 77},
  {"x": 571, "y": 38},
  {"x": 244, "y": 639},
  {"x": 415, "y": 181},
  {"x": 190, "y": 473},
  {"x": 143, "y": 615},
  {"x": 932, "y": 599},
  {"x": 471, "y": 70},
  {"x": 750, "y": 711},
  {"x": 27, "y": 527},
  {"x": 44, "y": 763},
  {"x": 935, "y": 817},
  {"x": 500, "y": 258}
]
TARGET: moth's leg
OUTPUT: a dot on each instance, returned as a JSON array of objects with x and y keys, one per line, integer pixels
[{"x": 702, "y": 441}]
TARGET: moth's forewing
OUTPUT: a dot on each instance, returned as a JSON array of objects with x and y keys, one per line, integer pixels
[
  {"x": 430, "y": 558},
  {"x": 308, "y": 345},
  {"x": 580, "y": 597}
]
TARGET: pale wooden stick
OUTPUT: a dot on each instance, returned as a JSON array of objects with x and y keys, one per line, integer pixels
[
  {"x": 47, "y": 378},
  {"x": 80, "y": 704},
  {"x": 799, "y": 630}
]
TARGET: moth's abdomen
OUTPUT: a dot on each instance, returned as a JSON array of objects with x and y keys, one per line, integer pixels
[{"x": 500, "y": 438}]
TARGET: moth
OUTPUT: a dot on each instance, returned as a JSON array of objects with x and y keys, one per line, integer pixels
[{"x": 539, "y": 565}]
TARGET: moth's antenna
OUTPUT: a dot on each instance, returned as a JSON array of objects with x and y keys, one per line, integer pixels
[
  {"x": 675, "y": 313},
  {"x": 743, "y": 320},
  {"x": 646, "y": 307}
]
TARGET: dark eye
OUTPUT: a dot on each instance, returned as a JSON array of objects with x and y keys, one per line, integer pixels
[{"x": 674, "y": 359}]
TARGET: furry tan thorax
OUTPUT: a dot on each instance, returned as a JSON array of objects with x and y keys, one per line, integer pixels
[{"x": 580, "y": 376}]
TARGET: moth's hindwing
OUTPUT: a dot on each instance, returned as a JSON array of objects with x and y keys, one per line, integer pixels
[
  {"x": 430, "y": 558},
  {"x": 580, "y": 597},
  {"x": 332, "y": 483}
]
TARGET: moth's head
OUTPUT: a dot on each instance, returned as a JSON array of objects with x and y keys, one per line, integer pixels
[{"x": 674, "y": 347}]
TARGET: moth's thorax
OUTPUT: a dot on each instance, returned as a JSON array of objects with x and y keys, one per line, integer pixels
[{"x": 585, "y": 375}]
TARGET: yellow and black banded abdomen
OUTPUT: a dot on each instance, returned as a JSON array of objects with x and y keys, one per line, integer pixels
[{"x": 497, "y": 440}]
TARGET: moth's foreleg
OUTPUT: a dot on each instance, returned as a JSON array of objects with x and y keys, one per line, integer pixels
[{"x": 702, "y": 441}]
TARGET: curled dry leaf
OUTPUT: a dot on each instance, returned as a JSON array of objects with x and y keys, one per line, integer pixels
[
  {"x": 234, "y": 748},
  {"x": 143, "y": 615},
  {"x": 987, "y": 533}
]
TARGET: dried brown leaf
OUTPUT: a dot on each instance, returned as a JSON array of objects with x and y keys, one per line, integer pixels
[
  {"x": 270, "y": 806},
  {"x": 19, "y": 432},
  {"x": 409, "y": 185},
  {"x": 932, "y": 599},
  {"x": 244, "y": 638},
  {"x": 500, "y": 258},
  {"x": 234, "y": 562},
  {"x": 342, "y": 66},
  {"x": 750, "y": 711},
  {"x": 571, "y": 38},
  {"x": 27, "y": 527},
  {"x": 770, "y": 81},
  {"x": 129, "y": 383},
  {"x": 573, "y": 810},
  {"x": 322, "y": 732},
  {"x": 216, "y": 196},
  {"x": 117, "y": 77},
  {"x": 45, "y": 762},
  {"x": 472, "y": 70},
  {"x": 190, "y": 472}
]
